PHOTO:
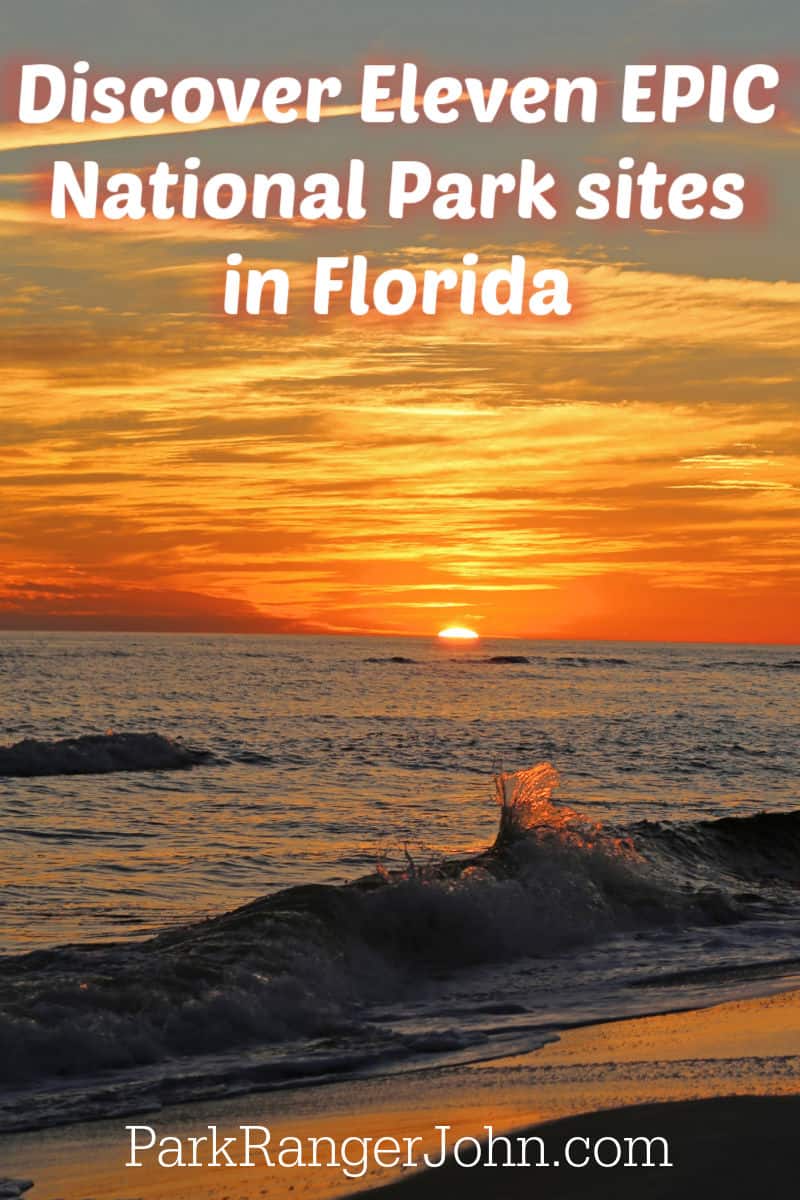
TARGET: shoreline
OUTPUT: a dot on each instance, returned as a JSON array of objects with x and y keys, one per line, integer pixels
[{"x": 742, "y": 1048}]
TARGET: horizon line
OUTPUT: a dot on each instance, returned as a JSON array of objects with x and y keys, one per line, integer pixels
[{"x": 366, "y": 633}]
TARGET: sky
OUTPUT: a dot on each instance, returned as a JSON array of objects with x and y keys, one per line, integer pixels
[{"x": 631, "y": 472}]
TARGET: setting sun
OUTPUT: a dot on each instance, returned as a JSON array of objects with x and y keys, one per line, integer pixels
[{"x": 457, "y": 631}]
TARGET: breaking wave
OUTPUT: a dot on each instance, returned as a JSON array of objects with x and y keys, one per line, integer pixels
[
  {"x": 308, "y": 962},
  {"x": 97, "y": 754}
]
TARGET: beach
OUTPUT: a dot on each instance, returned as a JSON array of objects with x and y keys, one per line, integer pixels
[{"x": 721, "y": 1084}]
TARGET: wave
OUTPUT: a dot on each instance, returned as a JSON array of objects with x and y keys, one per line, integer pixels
[
  {"x": 562, "y": 660},
  {"x": 13, "y": 1189},
  {"x": 749, "y": 664},
  {"x": 593, "y": 660},
  {"x": 391, "y": 658},
  {"x": 308, "y": 962},
  {"x": 762, "y": 851},
  {"x": 585, "y": 660},
  {"x": 98, "y": 754}
]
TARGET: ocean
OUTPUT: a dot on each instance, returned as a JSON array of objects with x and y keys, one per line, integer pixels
[{"x": 271, "y": 861}]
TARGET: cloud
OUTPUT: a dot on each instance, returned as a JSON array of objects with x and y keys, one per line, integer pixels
[
  {"x": 165, "y": 466},
  {"x": 33, "y": 605}
]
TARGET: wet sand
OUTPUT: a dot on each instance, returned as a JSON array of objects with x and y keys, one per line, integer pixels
[{"x": 721, "y": 1084}]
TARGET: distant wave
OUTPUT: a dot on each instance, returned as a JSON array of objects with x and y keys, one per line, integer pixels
[
  {"x": 562, "y": 660},
  {"x": 13, "y": 1189},
  {"x": 761, "y": 664},
  {"x": 585, "y": 660},
  {"x": 589, "y": 660},
  {"x": 97, "y": 754},
  {"x": 391, "y": 658},
  {"x": 305, "y": 962},
  {"x": 508, "y": 658}
]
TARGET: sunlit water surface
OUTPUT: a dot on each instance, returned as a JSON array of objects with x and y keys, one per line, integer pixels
[{"x": 329, "y": 755}]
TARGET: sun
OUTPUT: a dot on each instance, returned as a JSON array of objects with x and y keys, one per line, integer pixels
[{"x": 459, "y": 632}]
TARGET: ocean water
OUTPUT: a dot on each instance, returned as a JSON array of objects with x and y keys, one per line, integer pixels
[{"x": 266, "y": 860}]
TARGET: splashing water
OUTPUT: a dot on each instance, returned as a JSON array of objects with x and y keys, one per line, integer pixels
[
  {"x": 525, "y": 802},
  {"x": 528, "y": 811}
]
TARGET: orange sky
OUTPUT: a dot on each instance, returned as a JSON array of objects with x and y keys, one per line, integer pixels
[{"x": 631, "y": 473}]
